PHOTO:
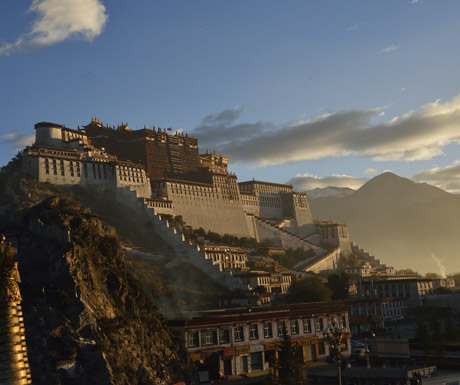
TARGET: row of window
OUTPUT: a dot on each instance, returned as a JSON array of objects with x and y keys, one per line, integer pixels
[
  {"x": 96, "y": 170},
  {"x": 159, "y": 204},
  {"x": 224, "y": 335},
  {"x": 227, "y": 257}
]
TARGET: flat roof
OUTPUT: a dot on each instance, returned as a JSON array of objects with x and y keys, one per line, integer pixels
[
  {"x": 256, "y": 313},
  {"x": 48, "y": 124}
]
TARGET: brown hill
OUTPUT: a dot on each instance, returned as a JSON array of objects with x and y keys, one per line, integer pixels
[{"x": 87, "y": 318}]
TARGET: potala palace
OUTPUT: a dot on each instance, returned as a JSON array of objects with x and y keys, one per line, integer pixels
[{"x": 167, "y": 173}]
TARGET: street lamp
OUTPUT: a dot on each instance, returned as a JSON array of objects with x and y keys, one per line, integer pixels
[{"x": 335, "y": 334}]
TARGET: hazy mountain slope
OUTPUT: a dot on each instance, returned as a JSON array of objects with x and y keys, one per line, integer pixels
[
  {"x": 400, "y": 221},
  {"x": 329, "y": 191}
]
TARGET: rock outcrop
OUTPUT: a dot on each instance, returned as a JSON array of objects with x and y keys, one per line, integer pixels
[{"x": 87, "y": 318}]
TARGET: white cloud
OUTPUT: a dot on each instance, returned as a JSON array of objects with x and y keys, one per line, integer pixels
[
  {"x": 415, "y": 135},
  {"x": 447, "y": 178},
  {"x": 305, "y": 182},
  {"x": 402, "y": 89},
  {"x": 353, "y": 27},
  {"x": 18, "y": 141},
  {"x": 58, "y": 20},
  {"x": 391, "y": 48},
  {"x": 415, "y": 1},
  {"x": 8, "y": 135},
  {"x": 370, "y": 171}
]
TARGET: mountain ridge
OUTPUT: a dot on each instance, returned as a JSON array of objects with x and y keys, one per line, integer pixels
[{"x": 398, "y": 220}]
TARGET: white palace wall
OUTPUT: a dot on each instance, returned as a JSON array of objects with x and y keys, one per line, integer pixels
[{"x": 200, "y": 205}]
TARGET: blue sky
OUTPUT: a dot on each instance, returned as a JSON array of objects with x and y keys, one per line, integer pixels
[{"x": 329, "y": 92}]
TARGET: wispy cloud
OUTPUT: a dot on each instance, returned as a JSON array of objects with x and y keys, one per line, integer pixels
[
  {"x": 58, "y": 20},
  {"x": 353, "y": 27},
  {"x": 415, "y": 1},
  {"x": 305, "y": 182},
  {"x": 402, "y": 89},
  {"x": 391, "y": 48},
  {"x": 18, "y": 141},
  {"x": 447, "y": 178},
  {"x": 416, "y": 135},
  {"x": 8, "y": 135},
  {"x": 371, "y": 171}
]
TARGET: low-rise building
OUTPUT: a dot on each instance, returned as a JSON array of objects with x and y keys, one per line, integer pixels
[
  {"x": 448, "y": 283},
  {"x": 369, "y": 315},
  {"x": 244, "y": 340},
  {"x": 365, "y": 315},
  {"x": 364, "y": 270},
  {"x": 227, "y": 257},
  {"x": 413, "y": 290},
  {"x": 276, "y": 283}
]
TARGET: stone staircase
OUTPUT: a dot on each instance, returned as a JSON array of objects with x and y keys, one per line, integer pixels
[
  {"x": 321, "y": 261},
  {"x": 375, "y": 262},
  {"x": 185, "y": 251},
  {"x": 328, "y": 261},
  {"x": 294, "y": 238}
]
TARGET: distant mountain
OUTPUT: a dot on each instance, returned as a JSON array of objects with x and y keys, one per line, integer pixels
[
  {"x": 406, "y": 224},
  {"x": 330, "y": 191}
]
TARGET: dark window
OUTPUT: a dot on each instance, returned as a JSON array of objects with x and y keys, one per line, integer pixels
[
  {"x": 281, "y": 326},
  {"x": 224, "y": 336},
  {"x": 209, "y": 337},
  {"x": 253, "y": 332},
  {"x": 192, "y": 339},
  {"x": 294, "y": 327},
  {"x": 306, "y": 325},
  {"x": 268, "y": 331},
  {"x": 239, "y": 334}
]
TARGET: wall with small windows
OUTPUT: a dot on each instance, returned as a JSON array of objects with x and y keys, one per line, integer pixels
[{"x": 71, "y": 167}]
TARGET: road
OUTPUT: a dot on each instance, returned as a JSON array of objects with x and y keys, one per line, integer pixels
[{"x": 443, "y": 377}]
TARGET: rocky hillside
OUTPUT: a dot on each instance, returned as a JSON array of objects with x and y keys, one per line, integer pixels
[
  {"x": 87, "y": 318},
  {"x": 404, "y": 223}
]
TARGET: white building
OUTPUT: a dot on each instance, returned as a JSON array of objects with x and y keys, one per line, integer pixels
[
  {"x": 244, "y": 340},
  {"x": 62, "y": 156}
]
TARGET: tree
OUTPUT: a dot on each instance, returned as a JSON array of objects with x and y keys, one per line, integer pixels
[
  {"x": 432, "y": 275},
  {"x": 407, "y": 272},
  {"x": 310, "y": 289},
  {"x": 437, "y": 337},
  {"x": 339, "y": 285},
  {"x": 287, "y": 368},
  {"x": 450, "y": 329},
  {"x": 424, "y": 336},
  {"x": 442, "y": 290},
  {"x": 457, "y": 279}
]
